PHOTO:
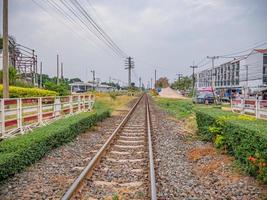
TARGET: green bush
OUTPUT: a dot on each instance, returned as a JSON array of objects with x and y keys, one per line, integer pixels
[
  {"x": 243, "y": 137},
  {"x": 19, "y": 152},
  {"x": 20, "y": 92}
]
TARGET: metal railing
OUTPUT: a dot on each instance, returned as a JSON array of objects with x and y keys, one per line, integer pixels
[
  {"x": 18, "y": 115},
  {"x": 257, "y": 108}
]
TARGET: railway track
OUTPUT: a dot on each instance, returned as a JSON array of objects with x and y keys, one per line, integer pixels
[{"x": 123, "y": 168}]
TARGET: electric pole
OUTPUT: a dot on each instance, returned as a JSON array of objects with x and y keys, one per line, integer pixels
[
  {"x": 93, "y": 72},
  {"x": 193, "y": 67},
  {"x": 155, "y": 78},
  {"x": 140, "y": 80},
  {"x": 41, "y": 75},
  {"x": 5, "y": 51},
  {"x": 151, "y": 82},
  {"x": 57, "y": 69},
  {"x": 212, "y": 71},
  {"x": 62, "y": 72},
  {"x": 129, "y": 65}
]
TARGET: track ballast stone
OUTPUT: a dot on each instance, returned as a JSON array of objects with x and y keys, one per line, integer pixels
[
  {"x": 50, "y": 177},
  {"x": 179, "y": 177}
]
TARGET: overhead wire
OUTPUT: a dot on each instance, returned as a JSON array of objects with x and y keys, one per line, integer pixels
[
  {"x": 97, "y": 27},
  {"x": 73, "y": 13}
]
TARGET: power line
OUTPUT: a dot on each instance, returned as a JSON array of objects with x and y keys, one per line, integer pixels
[
  {"x": 74, "y": 13},
  {"x": 249, "y": 49},
  {"x": 98, "y": 28}
]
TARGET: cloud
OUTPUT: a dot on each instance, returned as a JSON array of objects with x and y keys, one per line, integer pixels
[{"x": 167, "y": 35}]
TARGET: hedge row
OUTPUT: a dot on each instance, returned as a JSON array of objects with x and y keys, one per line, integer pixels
[
  {"x": 241, "y": 136},
  {"x": 20, "y": 92},
  {"x": 19, "y": 152}
]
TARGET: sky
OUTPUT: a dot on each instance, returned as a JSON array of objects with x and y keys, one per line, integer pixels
[{"x": 168, "y": 36}]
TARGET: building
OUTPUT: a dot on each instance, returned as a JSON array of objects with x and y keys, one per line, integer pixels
[
  {"x": 247, "y": 76},
  {"x": 253, "y": 71},
  {"x": 80, "y": 87}
]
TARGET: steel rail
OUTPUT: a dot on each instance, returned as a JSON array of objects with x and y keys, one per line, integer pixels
[
  {"x": 153, "y": 189},
  {"x": 90, "y": 166}
]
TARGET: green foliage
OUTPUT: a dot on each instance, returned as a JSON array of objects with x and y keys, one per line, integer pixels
[
  {"x": 61, "y": 89},
  {"x": 178, "y": 108},
  {"x": 115, "y": 197},
  {"x": 19, "y": 152},
  {"x": 19, "y": 92},
  {"x": 113, "y": 95},
  {"x": 162, "y": 82},
  {"x": 219, "y": 141},
  {"x": 185, "y": 83},
  {"x": 242, "y": 136},
  {"x": 13, "y": 75}
]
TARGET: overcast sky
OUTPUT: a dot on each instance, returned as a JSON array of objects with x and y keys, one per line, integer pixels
[{"x": 164, "y": 34}]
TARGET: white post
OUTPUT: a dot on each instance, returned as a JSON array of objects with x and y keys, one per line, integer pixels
[
  {"x": 84, "y": 102},
  {"x": 19, "y": 114},
  {"x": 242, "y": 106},
  {"x": 71, "y": 104},
  {"x": 40, "y": 111},
  {"x": 79, "y": 103},
  {"x": 3, "y": 116},
  {"x": 258, "y": 114}
]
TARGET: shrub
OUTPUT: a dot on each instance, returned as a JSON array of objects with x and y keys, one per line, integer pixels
[
  {"x": 19, "y": 152},
  {"x": 20, "y": 92},
  {"x": 242, "y": 136}
]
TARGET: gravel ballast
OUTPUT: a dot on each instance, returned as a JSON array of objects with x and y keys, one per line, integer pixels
[
  {"x": 50, "y": 177},
  {"x": 192, "y": 169}
]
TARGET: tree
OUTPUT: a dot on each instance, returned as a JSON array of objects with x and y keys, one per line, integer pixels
[
  {"x": 73, "y": 80},
  {"x": 185, "y": 83},
  {"x": 162, "y": 82},
  {"x": 13, "y": 75}
]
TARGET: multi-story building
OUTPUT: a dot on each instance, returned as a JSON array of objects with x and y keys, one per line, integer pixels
[{"x": 244, "y": 75}]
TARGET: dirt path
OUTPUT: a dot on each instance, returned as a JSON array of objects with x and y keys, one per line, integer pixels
[{"x": 170, "y": 93}]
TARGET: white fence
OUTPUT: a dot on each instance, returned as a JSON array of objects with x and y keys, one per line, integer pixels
[
  {"x": 18, "y": 115},
  {"x": 258, "y": 108}
]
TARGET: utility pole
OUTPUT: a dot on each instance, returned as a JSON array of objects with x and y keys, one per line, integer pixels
[
  {"x": 155, "y": 79},
  {"x": 93, "y": 72},
  {"x": 129, "y": 65},
  {"x": 213, "y": 75},
  {"x": 212, "y": 72},
  {"x": 41, "y": 75},
  {"x": 193, "y": 67},
  {"x": 57, "y": 69},
  {"x": 246, "y": 91},
  {"x": 140, "y": 82},
  {"x": 5, "y": 51},
  {"x": 62, "y": 72},
  {"x": 151, "y": 82}
]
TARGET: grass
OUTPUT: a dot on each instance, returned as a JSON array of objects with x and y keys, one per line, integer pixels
[
  {"x": 178, "y": 108},
  {"x": 107, "y": 101}
]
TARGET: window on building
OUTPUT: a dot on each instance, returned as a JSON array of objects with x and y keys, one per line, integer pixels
[{"x": 237, "y": 81}]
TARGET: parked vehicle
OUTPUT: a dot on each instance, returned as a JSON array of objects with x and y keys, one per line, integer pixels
[{"x": 204, "y": 98}]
